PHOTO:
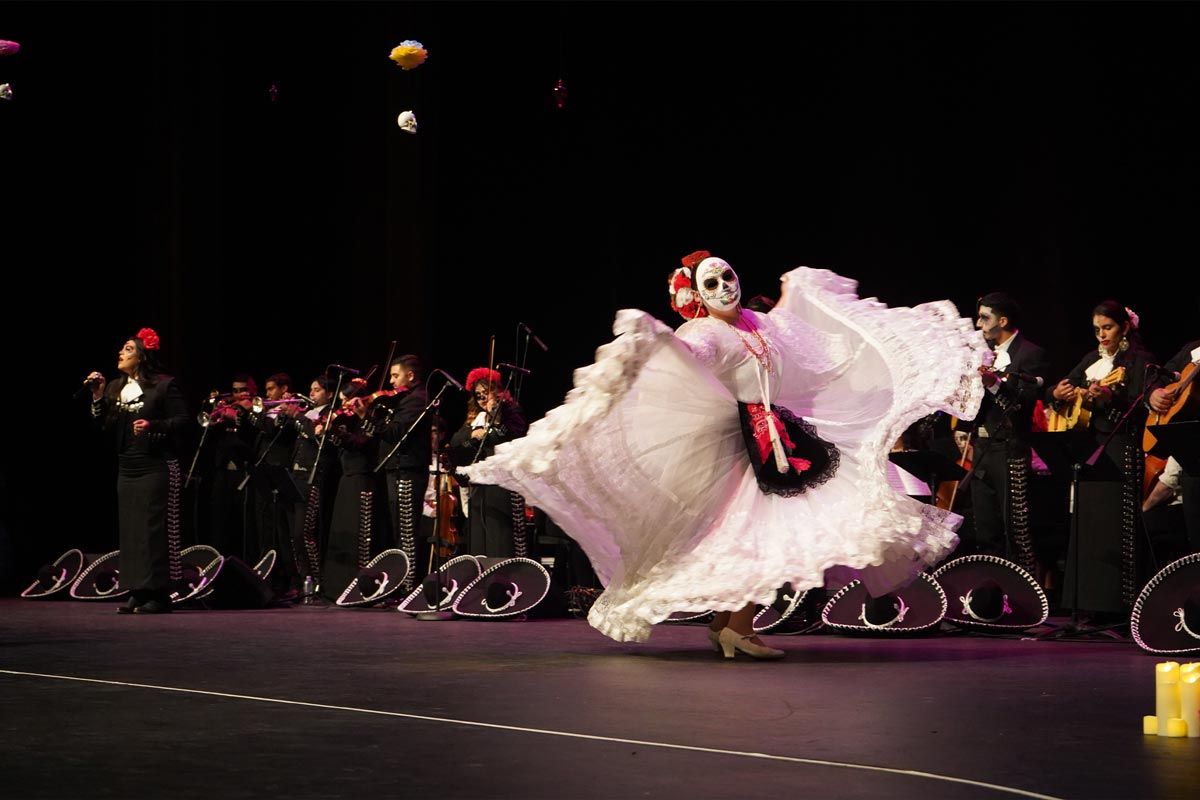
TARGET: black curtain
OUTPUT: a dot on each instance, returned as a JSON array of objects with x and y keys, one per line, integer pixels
[{"x": 232, "y": 175}]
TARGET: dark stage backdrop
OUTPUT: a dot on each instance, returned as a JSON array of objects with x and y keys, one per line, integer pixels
[{"x": 151, "y": 178}]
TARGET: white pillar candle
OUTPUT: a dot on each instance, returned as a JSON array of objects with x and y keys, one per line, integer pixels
[
  {"x": 1176, "y": 728},
  {"x": 1150, "y": 726},
  {"x": 1166, "y": 694},
  {"x": 1189, "y": 703}
]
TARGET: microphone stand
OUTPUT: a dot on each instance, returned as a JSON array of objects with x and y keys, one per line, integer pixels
[{"x": 1073, "y": 627}]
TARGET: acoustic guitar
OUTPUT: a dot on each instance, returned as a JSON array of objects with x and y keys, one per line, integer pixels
[
  {"x": 1065, "y": 415},
  {"x": 1186, "y": 402}
]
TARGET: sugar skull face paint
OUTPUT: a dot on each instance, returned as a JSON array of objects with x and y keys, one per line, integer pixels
[{"x": 718, "y": 284}]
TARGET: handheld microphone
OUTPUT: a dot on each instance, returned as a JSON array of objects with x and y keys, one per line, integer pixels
[
  {"x": 533, "y": 335},
  {"x": 450, "y": 378},
  {"x": 89, "y": 385},
  {"x": 514, "y": 368},
  {"x": 344, "y": 370}
]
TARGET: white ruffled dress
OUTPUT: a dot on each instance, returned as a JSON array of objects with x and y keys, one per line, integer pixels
[{"x": 645, "y": 464}]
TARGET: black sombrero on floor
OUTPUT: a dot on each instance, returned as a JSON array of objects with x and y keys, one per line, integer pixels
[
  {"x": 991, "y": 593},
  {"x": 792, "y": 613},
  {"x": 55, "y": 579},
  {"x": 917, "y": 607},
  {"x": 382, "y": 577},
  {"x": 100, "y": 580},
  {"x": 1166, "y": 615},
  {"x": 505, "y": 588}
]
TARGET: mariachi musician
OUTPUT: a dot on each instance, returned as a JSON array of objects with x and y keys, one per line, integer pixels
[
  {"x": 351, "y": 530},
  {"x": 315, "y": 471},
  {"x": 999, "y": 481},
  {"x": 273, "y": 419},
  {"x": 407, "y": 462},
  {"x": 495, "y": 516},
  {"x": 1110, "y": 380},
  {"x": 232, "y": 442},
  {"x": 1175, "y": 394}
]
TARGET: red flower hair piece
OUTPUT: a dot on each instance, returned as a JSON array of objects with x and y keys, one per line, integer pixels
[
  {"x": 148, "y": 338},
  {"x": 684, "y": 298},
  {"x": 482, "y": 374}
]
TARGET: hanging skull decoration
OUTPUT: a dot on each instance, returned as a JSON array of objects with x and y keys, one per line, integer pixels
[
  {"x": 407, "y": 121},
  {"x": 718, "y": 284}
]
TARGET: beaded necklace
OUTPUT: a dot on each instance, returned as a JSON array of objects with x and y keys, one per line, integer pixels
[{"x": 763, "y": 354}]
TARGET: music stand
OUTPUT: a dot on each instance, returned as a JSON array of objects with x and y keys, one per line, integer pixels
[
  {"x": 1075, "y": 453},
  {"x": 929, "y": 466},
  {"x": 1181, "y": 441}
]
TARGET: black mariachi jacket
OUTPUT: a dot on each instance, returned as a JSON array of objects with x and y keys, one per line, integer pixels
[
  {"x": 416, "y": 452},
  {"x": 1105, "y": 415},
  {"x": 509, "y": 425},
  {"x": 1008, "y": 414},
  {"x": 161, "y": 403}
]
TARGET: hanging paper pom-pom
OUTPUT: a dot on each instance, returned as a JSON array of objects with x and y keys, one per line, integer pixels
[
  {"x": 8, "y": 48},
  {"x": 409, "y": 54}
]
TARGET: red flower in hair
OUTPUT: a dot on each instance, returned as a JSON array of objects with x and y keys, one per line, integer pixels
[
  {"x": 149, "y": 338},
  {"x": 692, "y": 260},
  {"x": 482, "y": 374}
]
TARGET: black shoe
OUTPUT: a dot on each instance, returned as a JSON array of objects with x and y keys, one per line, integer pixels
[
  {"x": 128, "y": 607},
  {"x": 153, "y": 607}
]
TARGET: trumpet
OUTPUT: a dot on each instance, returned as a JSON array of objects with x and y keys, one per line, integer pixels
[
  {"x": 218, "y": 411},
  {"x": 258, "y": 405}
]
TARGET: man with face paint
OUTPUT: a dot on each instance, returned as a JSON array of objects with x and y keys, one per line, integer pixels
[
  {"x": 703, "y": 468},
  {"x": 1000, "y": 467}
]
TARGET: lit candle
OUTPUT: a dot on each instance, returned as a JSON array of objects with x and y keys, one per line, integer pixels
[
  {"x": 1176, "y": 728},
  {"x": 1189, "y": 703},
  {"x": 1150, "y": 726},
  {"x": 1166, "y": 694},
  {"x": 1189, "y": 669}
]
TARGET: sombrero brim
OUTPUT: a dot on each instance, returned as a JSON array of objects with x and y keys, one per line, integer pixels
[
  {"x": 102, "y": 571},
  {"x": 792, "y": 613},
  {"x": 265, "y": 564},
  {"x": 923, "y": 606},
  {"x": 382, "y": 577},
  {"x": 456, "y": 574},
  {"x": 1026, "y": 603},
  {"x": 524, "y": 583},
  {"x": 62, "y": 573},
  {"x": 1157, "y": 623},
  {"x": 201, "y": 566}
]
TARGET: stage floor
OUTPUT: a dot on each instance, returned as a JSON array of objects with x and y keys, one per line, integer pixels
[{"x": 313, "y": 702}]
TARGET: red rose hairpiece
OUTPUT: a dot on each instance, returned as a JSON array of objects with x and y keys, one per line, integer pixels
[
  {"x": 692, "y": 260},
  {"x": 482, "y": 374},
  {"x": 148, "y": 338}
]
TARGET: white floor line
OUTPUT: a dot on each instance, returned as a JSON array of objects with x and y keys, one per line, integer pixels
[{"x": 565, "y": 734}]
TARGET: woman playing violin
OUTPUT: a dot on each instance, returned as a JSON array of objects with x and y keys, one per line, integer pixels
[{"x": 495, "y": 516}]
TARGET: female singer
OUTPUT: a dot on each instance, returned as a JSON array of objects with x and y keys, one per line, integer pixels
[{"x": 144, "y": 412}]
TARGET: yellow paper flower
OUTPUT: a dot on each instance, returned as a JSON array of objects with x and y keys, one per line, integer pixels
[{"x": 409, "y": 54}]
